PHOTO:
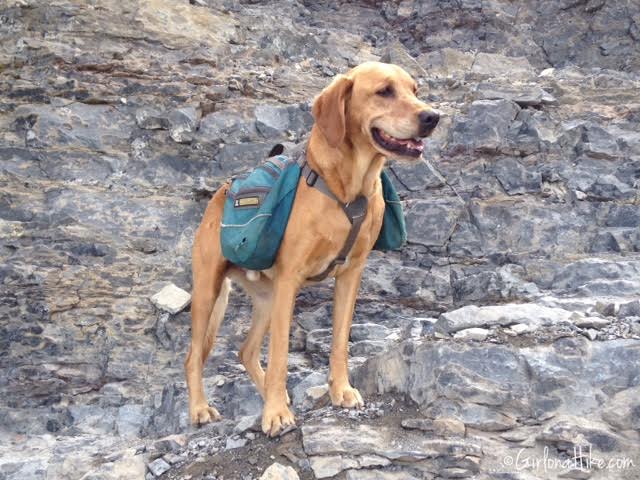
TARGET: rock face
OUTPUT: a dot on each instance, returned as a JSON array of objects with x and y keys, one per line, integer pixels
[{"x": 510, "y": 321}]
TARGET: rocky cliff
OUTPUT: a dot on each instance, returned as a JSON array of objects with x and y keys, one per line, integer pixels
[{"x": 503, "y": 342}]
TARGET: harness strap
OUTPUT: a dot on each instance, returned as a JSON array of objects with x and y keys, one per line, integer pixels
[{"x": 355, "y": 211}]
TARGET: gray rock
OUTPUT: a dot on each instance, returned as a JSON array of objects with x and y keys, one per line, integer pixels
[
  {"x": 591, "y": 322},
  {"x": 520, "y": 328},
  {"x": 323, "y": 439},
  {"x": 172, "y": 458},
  {"x": 283, "y": 122},
  {"x": 319, "y": 341},
  {"x": 278, "y": 471},
  {"x": 444, "y": 427},
  {"x": 423, "y": 424},
  {"x": 233, "y": 443},
  {"x": 241, "y": 388},
  {"x": 130, "y": 420},
  {"x": 446, "y": 62},
  {"x": 240, "y": 158},
  {"x": 171, "y": 443},
  {"x": 598, "y": 276},
  {"x": 493, "y": 65},
  {"x": 431, "y": 222},
  {"x": 599, "y": 143},
  {"x": 622, "y": 411},
  {"x": 396, "y": 53},
  {"x": 475, "y": 333},
  {"x": 331, "y": 465},
  {"x": 369, "y": 331},
  {"x": 504, "y": 315},
  {"x": 568, "y": 432},
  {"x": 316, "y": 396},
  {"x": 473, "y": 284},
  {"x": 151, "y": 119},
  {"x": 415, "y": 176},
  {"x": 366, "y": 348},
  {"x": 171, "y": 298},
  {"x": 125, "y": 465},
  {"x": 300, "y": 396},
  {"x": 592, "y": 334},
  {"x": 449, "y": 427},
  {"x": 486, "y": 419},
  {"x": 502, "y": 378},
  {"x": 515, "y": 178},
  {"x": 158, "y": 467},
  {"x": 629, "y": 309},
  {"x": 272, "y": 120},
  {"x": 183, "y": 123},
  {"x": 226, "y": 127},
  {"x": 484, "y": 128},
  {"x": 318, "y": 318},
  {"x": 526, "y": 95},
  {"x": 246, "y": 423}
]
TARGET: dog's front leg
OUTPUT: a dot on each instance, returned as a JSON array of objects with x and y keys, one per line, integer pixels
[
  {"x": 276, "y": 415},
  {"x": 344, "y": 300}
]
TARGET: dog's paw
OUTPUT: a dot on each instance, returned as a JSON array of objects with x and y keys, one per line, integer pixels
[
  {"x": 346, "y": 397},
  {"x": 276, "y": 418},
  {"x": 203, "y": 414}
]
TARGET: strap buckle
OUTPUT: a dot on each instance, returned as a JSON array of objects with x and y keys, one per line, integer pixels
[{"x": 312, "y": 177}]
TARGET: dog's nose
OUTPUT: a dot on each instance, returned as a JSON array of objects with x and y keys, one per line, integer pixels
[{"x": 428, "y": 120}]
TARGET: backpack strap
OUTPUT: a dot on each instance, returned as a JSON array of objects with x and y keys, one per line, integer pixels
[{"x": 355, "y": 211}]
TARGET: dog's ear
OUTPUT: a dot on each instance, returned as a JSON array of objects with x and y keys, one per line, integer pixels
[{"x": 329, "y": 110}]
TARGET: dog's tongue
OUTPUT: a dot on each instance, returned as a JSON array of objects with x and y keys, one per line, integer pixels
[
  {"x": 409, "y": 142},
  {"x": 415, "y": 144}
]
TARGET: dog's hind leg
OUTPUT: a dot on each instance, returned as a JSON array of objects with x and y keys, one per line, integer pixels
[
  {"x": 215, "y": 320},
  {"x": 260, "y": 289},
  {"x": 250, "y": 350},
  {"x": 209, "y": 299}
]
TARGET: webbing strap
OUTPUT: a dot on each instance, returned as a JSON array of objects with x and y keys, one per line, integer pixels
[{"x": 355, "y": 211}]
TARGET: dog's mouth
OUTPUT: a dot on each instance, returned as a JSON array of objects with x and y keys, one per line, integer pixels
[{"x": 406, "y": 147}]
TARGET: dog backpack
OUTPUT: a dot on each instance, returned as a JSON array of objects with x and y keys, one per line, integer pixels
[
  {"x": 393, "y": 233},
  {"x": 258, "y": 204},
  {"x": 256, "y": 212}
]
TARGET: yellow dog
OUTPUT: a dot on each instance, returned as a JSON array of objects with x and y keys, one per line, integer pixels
[{"x": 361, "y": 118}]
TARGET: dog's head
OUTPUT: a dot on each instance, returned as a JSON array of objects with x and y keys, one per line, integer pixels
[{"x": 375, "y": 106}]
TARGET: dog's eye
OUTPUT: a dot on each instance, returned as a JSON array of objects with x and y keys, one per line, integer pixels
[{"x": 386, "y": 91}]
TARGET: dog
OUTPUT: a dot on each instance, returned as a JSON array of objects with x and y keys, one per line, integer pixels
[{"x": 361, "y": 118}]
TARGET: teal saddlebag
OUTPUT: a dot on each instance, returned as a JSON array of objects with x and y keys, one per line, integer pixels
[
  {"x": 256, "y": 212},
  {"x": 393, "y": 233}
]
